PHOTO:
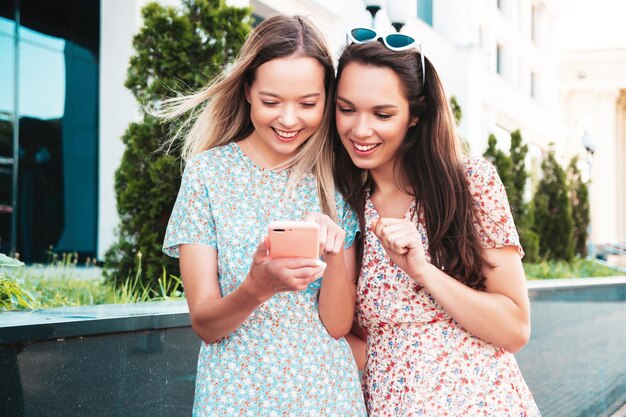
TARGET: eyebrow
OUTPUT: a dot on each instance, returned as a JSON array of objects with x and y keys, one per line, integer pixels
[
  {"x": 267, "y": 93},
  {"x": 378, "y": 107}
]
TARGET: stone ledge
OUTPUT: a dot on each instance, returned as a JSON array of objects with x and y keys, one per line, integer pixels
[{"x": 56, "y": 323}]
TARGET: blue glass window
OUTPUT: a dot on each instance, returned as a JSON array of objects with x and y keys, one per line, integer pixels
[
  {"x": 425, "y": 11},
  {"x": 55, "y": 189}
]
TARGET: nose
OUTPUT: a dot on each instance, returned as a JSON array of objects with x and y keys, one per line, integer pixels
[
  {"x": 288, "y": 117},
  {"x": 362, "y": 127}
]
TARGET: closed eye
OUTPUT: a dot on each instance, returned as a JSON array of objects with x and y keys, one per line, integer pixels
[
  {"x": 345, "y": 110},
  {"x": 384, "y": 116}
]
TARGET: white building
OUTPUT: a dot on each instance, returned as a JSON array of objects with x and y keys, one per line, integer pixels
[
  {"x": 497, "y": 57},
  {"x": 593, "y": 92}
]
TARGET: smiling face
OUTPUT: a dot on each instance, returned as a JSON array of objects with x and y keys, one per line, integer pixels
[
  {"x": 372, "y": 115},
  {"x": 286, "y": 106}
]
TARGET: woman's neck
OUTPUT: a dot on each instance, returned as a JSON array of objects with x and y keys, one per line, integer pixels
[
  {"x": 385, "y": 180},
  {"x": 388, "y": 198}
]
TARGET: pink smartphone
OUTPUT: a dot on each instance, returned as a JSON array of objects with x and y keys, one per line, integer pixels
[{"x": 289, "y": 239}]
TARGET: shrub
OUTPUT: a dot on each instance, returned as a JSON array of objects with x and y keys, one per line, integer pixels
[
  {"x": 579, "y": 198},
  {"x": 176, "y": 49},
  {"x": 553, "y": 212},
  {"x": 12, "y": 294},
  {"x": 512, "y": 172},
  {"x": 523, "y": 211}
]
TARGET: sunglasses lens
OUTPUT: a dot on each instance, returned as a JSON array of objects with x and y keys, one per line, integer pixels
[
  {"x": 363, "y": 34},
  {"x": 398, "y": 40}
]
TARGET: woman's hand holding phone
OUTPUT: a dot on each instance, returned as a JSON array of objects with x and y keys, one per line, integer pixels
[{"x": 269, "y": 276}]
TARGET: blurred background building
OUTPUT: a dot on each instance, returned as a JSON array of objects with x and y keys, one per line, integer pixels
[{"x": 63, "y": 105}]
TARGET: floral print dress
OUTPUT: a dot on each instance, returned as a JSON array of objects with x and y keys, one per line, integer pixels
[
  {"x": 281, "y": 361},
  {"x": 420, "y": 361}
]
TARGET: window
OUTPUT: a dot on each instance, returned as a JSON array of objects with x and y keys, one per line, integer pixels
[
  {"x": 49, "y": 195},
  {"x": 499, "y": 59},
  {"x": 425, "y": 11}
]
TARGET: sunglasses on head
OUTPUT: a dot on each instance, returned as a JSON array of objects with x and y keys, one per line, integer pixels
[{"x": 392, "y": 41}]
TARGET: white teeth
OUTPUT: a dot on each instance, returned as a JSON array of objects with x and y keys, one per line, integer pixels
[
  {"x": 365, "y": 148},
  {"x": 286, "y": 135}
]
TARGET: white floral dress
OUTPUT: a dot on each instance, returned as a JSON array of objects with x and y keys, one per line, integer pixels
[
  {"x": 420, "y": 361},
  {"x": 281, "y": 361}
]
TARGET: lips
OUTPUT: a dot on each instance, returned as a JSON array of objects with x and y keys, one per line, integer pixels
[
  {"x": 364, "y": 149},
  {"x": 286, "y": 136}
]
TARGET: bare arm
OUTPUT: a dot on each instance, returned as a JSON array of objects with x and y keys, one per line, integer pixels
[
  {"x": 212, "y": 316},
  {"x": 338, "y": 292},
  {"x": 499, "y": 315},
  {"x": 357, "y": 339},
  {"x": 337, "y": 295}
]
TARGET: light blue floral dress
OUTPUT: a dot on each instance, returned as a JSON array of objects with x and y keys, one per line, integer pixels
[{"x": 281, "y": 361}]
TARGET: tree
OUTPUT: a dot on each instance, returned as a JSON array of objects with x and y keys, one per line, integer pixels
[
  {"x": 512, "y": 172},
  {"x": 502, "y": 162},
  {"x": 457, "y": 112},
  {"x": 176, "y": 49},
  {"x": 554, "y": 222},
  {"x": 579, "y": 198},
  {"x": 523, "y": 211}
]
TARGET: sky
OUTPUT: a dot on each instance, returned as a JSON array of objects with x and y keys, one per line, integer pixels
[{"x": 585, "y": 24}]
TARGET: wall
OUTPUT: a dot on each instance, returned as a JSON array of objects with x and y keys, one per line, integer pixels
[{"x": 140, "y": 359}]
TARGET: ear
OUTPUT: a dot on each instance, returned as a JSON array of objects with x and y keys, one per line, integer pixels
[
  {"x": 246, "y": 92},
  {"x": 414, "y": 121}
]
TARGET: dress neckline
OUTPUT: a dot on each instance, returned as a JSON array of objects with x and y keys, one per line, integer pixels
[{"x": 254, "y": 165}]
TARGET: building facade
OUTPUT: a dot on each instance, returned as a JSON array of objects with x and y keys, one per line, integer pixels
[
  {"x": 49, "y": 127},
  {"x": 63, "y": 105},
  {"x": 593, "y": 94}
]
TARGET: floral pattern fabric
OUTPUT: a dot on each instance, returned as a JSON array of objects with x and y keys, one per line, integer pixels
[
  {"x": 420, "y": 361},
  {"x": 281, "y": 361}
]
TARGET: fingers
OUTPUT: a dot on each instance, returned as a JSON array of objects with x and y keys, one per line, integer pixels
[
  {"x": 300, "y": 273},
  {"x": 396, "y": 235},
  {"x": 262, "y": 250},
  {"x": 323, "y": 237},
  {"x": 331, "y": 235},
  {"x": 297, "y": 263}
]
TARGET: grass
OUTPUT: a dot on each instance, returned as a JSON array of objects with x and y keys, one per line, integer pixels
[
  {"x": 57, "y": 286},
  {"x": 578, "y": 268}
]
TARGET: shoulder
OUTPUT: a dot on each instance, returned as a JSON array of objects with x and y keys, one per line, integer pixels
[
  {"x": 479, "y": 170},
  {"x": 342, "y": 205},
  {"x": 212, "y": 159}
]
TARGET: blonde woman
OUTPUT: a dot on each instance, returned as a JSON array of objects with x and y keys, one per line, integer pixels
[{"x": 258, "y": 151}]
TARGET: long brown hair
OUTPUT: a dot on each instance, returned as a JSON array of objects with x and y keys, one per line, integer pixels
[
  {"x": 220, "y": 113},
  {"x": 428, "y": 165}
]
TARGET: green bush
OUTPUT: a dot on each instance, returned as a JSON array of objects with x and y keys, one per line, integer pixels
[
  {"x": 577, "y": 268},
  {"x": 12, "y": 294},
  {"x": 553, "y": 212},
  {"x": 523, "y": 211},
  {"x": 512, "y": 171},
  {"x": 579, "y": 198},
  {"x": 175, "y": 50}
]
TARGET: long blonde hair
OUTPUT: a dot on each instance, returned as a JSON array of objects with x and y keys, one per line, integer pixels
[{"x": 220, "y": 114}]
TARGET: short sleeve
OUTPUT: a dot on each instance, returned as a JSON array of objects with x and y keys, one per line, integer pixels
[
  {"x": 495, "y": 222},
  {"x": 192, "y": 219},
  {"x": 348, "y": 221}
]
